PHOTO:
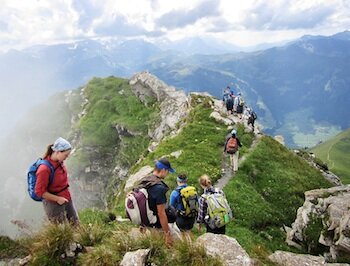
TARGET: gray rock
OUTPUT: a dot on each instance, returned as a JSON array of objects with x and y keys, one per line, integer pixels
[
  {"x": 226, "y": 248},
  {"x": 173, "y": 103},
  {"x": 176, "y": 154},
  {"x": 219, "y": 118},
  {"x": 135, "y": 258},
  {"x": 284, "y": 258},
  {"x": 332, "y": 206},
  {"x": 133, "y": 179}
]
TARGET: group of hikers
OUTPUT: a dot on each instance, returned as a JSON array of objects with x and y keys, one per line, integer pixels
[
  {"x": 235, "y": 104},
  {"x": 185, "y": 208},
  {"x": 146, "y": 205}
]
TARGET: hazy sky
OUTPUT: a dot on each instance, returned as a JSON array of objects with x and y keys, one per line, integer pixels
[{"x": 242, "y": 22}]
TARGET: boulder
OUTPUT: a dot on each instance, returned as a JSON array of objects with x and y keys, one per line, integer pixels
[
  {"x": 226, "y": 248},
  {"x": 135, "y": 258},
  {"x": 219, "y": 118},
  {"x": 133, "y": 179},
  {"x": 173, "y": 103},
  {"x": 284, "y": 258},
  {"x": 330, "y": 209}
]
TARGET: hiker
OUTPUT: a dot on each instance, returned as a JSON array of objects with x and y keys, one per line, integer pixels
[
  {"x": 157, "y": 190},
  {"x": 207, "y": 214},
  {"x": 252, "y": 116},
  {"x": 228, "y": 101},
  {"x": 186, "y": 215},
  {"x": 57, "y": 201},
  {"x": 239, "y": 104},
  {"x": 232, "y": 145}
]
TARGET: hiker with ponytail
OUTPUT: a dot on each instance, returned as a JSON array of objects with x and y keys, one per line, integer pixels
[{"x": 57, "y": 201}]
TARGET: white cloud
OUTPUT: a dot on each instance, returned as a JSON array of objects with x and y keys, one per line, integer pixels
[{"x": 24, "y": 23}]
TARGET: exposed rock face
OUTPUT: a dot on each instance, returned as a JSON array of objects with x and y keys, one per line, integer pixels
[
  {"x": 284, "y": 258},
  {"x": 227, "y": 248},
  {"x": 173, "y": 103},
  {"x": 133, "y": 179},
  {"x": 331, "y": 208},
  {"x": 135, "y": 258}
]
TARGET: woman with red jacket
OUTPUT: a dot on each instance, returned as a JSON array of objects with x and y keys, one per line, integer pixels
[{"x": 57, "y": 201}]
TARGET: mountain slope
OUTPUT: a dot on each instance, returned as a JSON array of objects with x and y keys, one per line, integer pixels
[
  {"x": 335, "y": 152},
  {"x": 265, "y": 194}
]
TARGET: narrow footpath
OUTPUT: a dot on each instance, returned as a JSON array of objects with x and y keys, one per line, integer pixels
[{"x": 227, "y": 172}]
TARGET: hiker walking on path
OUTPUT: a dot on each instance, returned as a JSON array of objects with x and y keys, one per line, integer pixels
[
  {"x": 227, "y": 100},
  {"x": 252, "y": 116},
  {"x": 184, "y": 199},
  {"x": 214, "y": 210},
  {"x": 157, "y": 190},
  {"x": 232, "y": 145},
  {"x": 57, "y": 201},
  {"x": 239, "y": 104}
]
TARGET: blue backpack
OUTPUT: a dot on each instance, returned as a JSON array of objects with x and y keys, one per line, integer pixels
[{"x": 31, "y": 177}]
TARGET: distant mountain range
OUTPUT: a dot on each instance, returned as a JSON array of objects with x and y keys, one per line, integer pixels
[{"x": 300, "y": 90}]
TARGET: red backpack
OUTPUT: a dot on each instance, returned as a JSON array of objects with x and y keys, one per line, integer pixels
[{"x": 232, "y": 146}]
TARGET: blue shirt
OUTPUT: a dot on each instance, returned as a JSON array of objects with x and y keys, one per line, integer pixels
[{"x": 175, "y": 198}]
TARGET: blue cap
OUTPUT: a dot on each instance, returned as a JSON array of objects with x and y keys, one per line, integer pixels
[
  {"x": 164, "y": 164},
  {"x": 234, "y": 132},
  {"x": 61, "y": 145}
]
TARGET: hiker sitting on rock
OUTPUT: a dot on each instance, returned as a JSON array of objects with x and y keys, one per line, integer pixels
[
  {"x": 214, "y": 210},
  {"x": 232, "y": 145},
  {"x": 157, "y": 190},
  {"x": 184, "y": 199}
]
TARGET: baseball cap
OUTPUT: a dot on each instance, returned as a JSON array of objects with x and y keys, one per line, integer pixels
[{"x": 164, "y": 164}]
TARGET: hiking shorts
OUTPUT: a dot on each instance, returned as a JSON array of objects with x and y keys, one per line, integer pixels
[
  {"x": 185, "y": 223},
  {"x": 61, "y": 213}
]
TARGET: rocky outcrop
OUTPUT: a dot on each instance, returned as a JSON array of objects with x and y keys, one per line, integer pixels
[
  {"x": 226, "y": 248},
  {"x": 135, "y": 258},
  {"x": 284, "y": 258},
  {"x": 311, "y": 159},
  {"x": 173, "y": 103},
  {"x": 133, "y": 179},
  {"x": 324, "y": 222}
]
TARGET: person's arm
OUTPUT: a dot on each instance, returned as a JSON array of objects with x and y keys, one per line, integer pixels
[
  {"x": 225, "y": 144},
  {"x": 172, "y": 200},
  {"x": 42, "y": 183},
  {"x": 163, "y": 219}
]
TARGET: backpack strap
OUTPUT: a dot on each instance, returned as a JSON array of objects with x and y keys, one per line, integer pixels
[
  {"x": 52, "y": 174},
  {"x": 52, "y": 169}
]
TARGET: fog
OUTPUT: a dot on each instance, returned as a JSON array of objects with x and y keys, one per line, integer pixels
[{"x": 25, "y": 133}]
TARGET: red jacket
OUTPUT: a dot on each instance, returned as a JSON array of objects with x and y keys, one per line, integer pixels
[{"x": 60, "y": 180}]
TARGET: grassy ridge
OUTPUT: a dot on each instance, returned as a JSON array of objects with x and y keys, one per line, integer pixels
[
  {"x": 336, "y": 154},
  {"x": 265, "y": 195}
]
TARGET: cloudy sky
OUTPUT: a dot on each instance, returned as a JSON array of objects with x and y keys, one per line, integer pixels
[{"x": 244, "y": 23}]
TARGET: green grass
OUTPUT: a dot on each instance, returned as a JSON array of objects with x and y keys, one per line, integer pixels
[
  {"x": 265, "y": 195},
  {"x": 201, "y": 142},
  {"x": 11, "y": 248},
  {"x": 336, "y": 154}
]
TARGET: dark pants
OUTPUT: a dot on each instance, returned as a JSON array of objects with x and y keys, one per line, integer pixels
[
  {"x": 220, "y": 231},
  {"x": 185, "y": 223},
  {"x": 61, "y": 213}
]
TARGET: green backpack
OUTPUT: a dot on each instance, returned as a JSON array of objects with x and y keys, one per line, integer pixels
[{"x": 219, "y": 210}]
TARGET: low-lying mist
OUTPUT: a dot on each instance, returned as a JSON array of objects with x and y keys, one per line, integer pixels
[{"x": 20, "y": 147}]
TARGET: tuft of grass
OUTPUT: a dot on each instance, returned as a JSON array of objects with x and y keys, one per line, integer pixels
[
  {"x": 48, "y": 245},
  {"x": 11, "y": 248}
]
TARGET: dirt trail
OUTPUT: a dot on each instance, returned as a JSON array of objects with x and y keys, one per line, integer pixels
[{"x": 227, "y": 172}]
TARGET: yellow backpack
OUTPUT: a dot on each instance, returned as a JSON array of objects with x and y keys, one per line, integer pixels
[{"x": 189, "y": 199}]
